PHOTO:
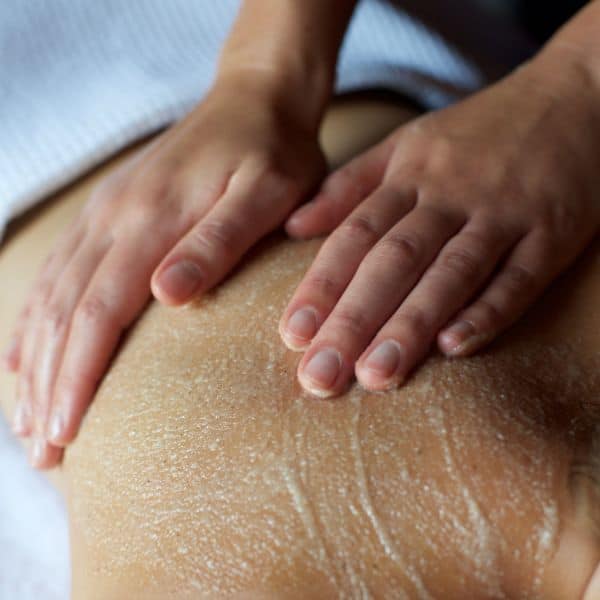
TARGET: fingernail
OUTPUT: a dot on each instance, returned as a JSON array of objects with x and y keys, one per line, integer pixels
[
  {"x": 454, "y": 339},
  {"x": 301, "y": 328},
  {"x": 322, "y": 370},
  {"x": 19, "y": 424},
  {"x": 181, "y": 280},
  {"x": 384, "y": 361},
  {"x": 56, "y": 428},
  {"x": 297, "y": 217},
  {"x": 36, "y": 452}
]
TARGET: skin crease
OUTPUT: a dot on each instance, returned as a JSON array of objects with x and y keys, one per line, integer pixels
[
  {"x": 202, "y": 470},
  {"x": 447, "y": 209}
]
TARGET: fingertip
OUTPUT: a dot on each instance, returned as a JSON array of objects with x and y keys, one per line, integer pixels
[
  {"x": 461, "y": 339},
  {"x": 21, "y": 422},
  {"x": 43, "y": 456},
  {"x": 177, "y": 283},
  {"x": 310, "y": 220},
  {"x": 57, "y": 431},
  {"x": 383, "y": 367},
  {"x": 297, "y": 225},
  {"x": 299, "y": 328}
]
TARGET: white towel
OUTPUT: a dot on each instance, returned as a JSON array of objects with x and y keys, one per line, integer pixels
[{"x": 34, "y": 550}]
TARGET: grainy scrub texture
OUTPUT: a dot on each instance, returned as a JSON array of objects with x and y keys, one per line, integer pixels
[
  {"x": 225, "y": 477},
  {"x": 202, "y": 470}
]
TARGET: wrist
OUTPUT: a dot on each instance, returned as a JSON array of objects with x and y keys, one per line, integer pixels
[
  {"x": 300, "y": 95},
  {"x": 575, "y": 49},
  {"x": 290, "y": 48},
  {"x": 559, "y": 73}
]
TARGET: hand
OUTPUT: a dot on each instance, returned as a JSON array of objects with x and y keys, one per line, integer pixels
[
  {"x": 449, "y": 229},
  {"x": 173, "y": 220}
]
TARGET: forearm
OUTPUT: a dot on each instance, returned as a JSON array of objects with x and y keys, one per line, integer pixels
[
  {"x": 577, "y": 45},
  {"x": 290, "y": 46}
]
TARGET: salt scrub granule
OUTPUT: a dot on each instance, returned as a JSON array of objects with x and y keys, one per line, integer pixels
[{"x": 225, "y": 476}]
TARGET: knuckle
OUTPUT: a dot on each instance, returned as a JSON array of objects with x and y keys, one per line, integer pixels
[
  {"x": 323, "y": 284},
  {"x": 275, "y": 182},
  {"x": 351, "y": 321},
  {"x": 270, "y": 175},
  {"x": 413, "y": 320},
  {"x": 93, "y": 309},
  {"x": 55, "y": 318},
  {"x": 141, "y": 210},
  {"x": 561, "y": 219},
  {"x": 489, "y": 316},
  {"x": 403, "y": 248},
  {"x": 26, "y": 384},
  {"x": 519, "y": 278},
  {"x": 103, "y": 194},
  {"x": 224, "y": 235},
  {"x": 43, "y": 291},
  {"x": 145, "y": 205},
  {"x": 360, "y": 229},
  {"x": 462, "y": 263},
  {"x": 342, "y": 181}
]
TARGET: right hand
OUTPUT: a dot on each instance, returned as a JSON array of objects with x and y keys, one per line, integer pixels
[{"x": 174, "y": 220}]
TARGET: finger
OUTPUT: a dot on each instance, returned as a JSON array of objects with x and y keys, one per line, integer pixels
[
  {"x": 211, "y": 248},
  {"x": 528, "y": 270},
  {"x": 41, "y": 287},
  {"x": 26, "y": 340},
  {"x": 337, "y": 262},
  {"x": 461, "y": 268},
  {"x": 23, "y": 421},
  {"x": 341, "y": 192},
  {"x": 54, "y": 321},
  {"x": 115, "y": 296},
  {"x": 43, "y": 455},
  {"x": 12, "y": 354},
  {"x": 382, "y": 281}
]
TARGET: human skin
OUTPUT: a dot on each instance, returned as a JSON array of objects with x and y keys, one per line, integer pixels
[
  {"x": 477, "y": 207},
  {"x": 208, "y": 188},
  {"x": 203, "y": 469},
  {"x": 453, "y": 225}
]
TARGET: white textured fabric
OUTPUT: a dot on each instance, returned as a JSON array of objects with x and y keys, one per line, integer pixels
[
  {"x": 81, "y": 79},
  {"x": 34, "y": 552}
]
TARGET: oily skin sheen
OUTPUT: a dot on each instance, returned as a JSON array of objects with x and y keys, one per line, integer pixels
[{"x": 472, "y": 210}]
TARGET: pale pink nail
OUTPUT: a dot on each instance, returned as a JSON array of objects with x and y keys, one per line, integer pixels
[
  {"x": 20, "y": 423},
  {"x": 455, "y": 337},
  {"x": 37, "y": 452},
  {"x": 301, "y": 328},
  {"x": 385, "y": 359},
  {"x": 383, "y": 367},
  {"x": 321, "y": 371},
  {"x": 181, "y": 280},
  {"x": 56, "y": 428}
]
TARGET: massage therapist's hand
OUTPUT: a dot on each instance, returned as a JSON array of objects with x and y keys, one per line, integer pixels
[
  {"x": 174, "y": 221},
  {"x": 449, "y": 229}
]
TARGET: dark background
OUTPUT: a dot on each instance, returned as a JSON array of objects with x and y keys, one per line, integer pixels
[{"x": 541, "y": 18}]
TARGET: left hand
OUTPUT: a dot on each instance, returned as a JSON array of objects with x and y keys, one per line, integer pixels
[{"x": 450, "y": 228}]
